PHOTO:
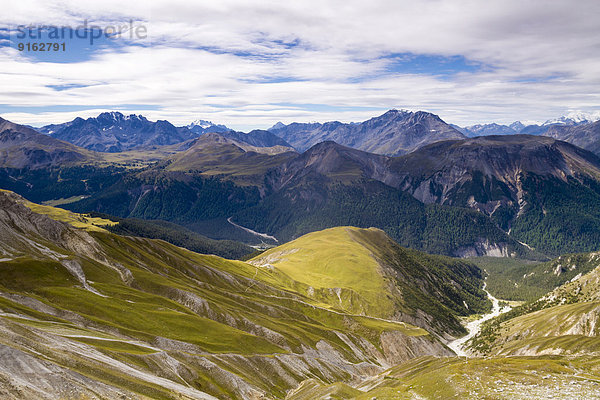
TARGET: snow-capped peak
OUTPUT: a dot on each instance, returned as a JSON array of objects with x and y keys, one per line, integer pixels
[
  {"x": 575, "y": 118},
  {"x": 201, "y": 126},
  {"x": 201, "y": 123},
  {"x": 111, "y": 116},
  {"x": 398, "y": 111},
  {"x": 116, "y": 116}
]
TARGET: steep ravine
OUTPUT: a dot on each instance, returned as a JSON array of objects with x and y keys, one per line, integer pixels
[{"x": 473, "y": 327}]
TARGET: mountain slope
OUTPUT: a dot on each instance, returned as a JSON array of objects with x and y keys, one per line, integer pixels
[
  {"x": 214, "y": 154},
  {"x": 331, "y": 161},
  {"x": 332, "y": 185},
  {"x": 201, "y": 126},
  {"x": 586, "y": 136},
  {"x": 108, "y": 315},
  {"x": 380, "y": 278},
  {"x": 488, "y": 130},
  {"x": 529, "y": 185},
  {"x": 22, "y": 147},
  {"x": 395, "y": 132},
  {"x": 564, "y": 321},
  {"x": 114, "y": 132},
  {"x": 515, "y": 378}
]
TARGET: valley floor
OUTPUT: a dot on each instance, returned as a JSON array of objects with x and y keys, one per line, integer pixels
[{"x": 474, "y": 327}]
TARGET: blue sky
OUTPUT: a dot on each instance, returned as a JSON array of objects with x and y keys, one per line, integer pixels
[{"x": 251, "y": 64}]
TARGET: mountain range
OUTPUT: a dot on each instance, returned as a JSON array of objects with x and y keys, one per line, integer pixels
[
  {"x": 399, "y": 132},
  {"x": 393, "y": 133},
  {"x": 515, "y": 190},
  {"x": 114, "y": 132},
  {"x": 532, "y": 128},
  {"x": 326, "y": 269}
]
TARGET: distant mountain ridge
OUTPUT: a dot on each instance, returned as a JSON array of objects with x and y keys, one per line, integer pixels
[
  {"x": 530, "y": 128},
  {"x": 575, "y": 118},
  {"x": 113, "y": 132},
  {"x": 489, "y": 129},
  {"x": 201, "y": 126},
  {"x": 23, "y": 147},
  {"x": 582, "y": 130},
  {"x": 392, "y": 133},
  {"x": 586, "y": 136}
]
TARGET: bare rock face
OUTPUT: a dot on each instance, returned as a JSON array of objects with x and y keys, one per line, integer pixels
[
  {"x": 26, "y": 232},
  {"x": 24, "y": 376},
  {"x": 494, "y": 165},
  {"x": 399, "y": 348},
  {"x": 586, "y": 136},
  {"x": 484, "y": 248}
]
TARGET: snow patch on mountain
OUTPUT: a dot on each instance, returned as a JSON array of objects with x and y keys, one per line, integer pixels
[
  {"x": 575, "y": 118},
  {"x": 201, "y": 126}
]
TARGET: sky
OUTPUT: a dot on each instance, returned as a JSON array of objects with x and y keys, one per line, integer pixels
[{"x": 250, "y": 64}]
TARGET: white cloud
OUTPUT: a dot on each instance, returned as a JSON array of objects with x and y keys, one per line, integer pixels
[{"x": 250, "y": 64}]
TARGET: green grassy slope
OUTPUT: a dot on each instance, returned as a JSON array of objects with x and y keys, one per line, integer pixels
[
  {"x": 144, "y": 317},
  {"x": 474, "y": 379},
  {"x": 331, "y": 264},
  {"x": 364, "y": 271},
  {"x": 561, "y": 322},
  {"x": 524, "y": 280}
]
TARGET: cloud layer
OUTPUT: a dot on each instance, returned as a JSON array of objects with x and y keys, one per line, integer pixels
[{"x": 250, "y": 65}]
